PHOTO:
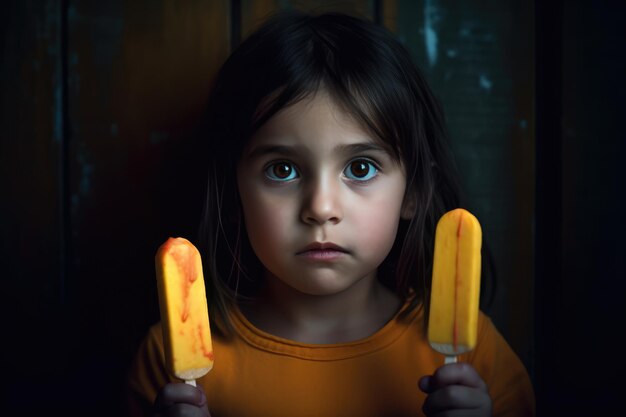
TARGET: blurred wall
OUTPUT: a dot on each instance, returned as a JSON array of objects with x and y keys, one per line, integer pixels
[{"x": 580, "y": 253}]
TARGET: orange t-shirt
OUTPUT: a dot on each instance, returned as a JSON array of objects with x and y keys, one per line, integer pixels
[{"x": 258, "y": 374}]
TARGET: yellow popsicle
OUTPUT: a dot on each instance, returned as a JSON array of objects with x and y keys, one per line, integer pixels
[
  {"x": 455, "y": 292},
  {"x": 184, "y": 312}
]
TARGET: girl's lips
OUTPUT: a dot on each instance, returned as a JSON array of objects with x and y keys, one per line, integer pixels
[
  {"x": 322, "y": 254},
  {"x": 322, "y": 251},
  {"x": 317, "y": 246}
]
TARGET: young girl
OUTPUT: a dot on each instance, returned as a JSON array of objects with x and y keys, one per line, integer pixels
[{"x": 328, "y": 172}]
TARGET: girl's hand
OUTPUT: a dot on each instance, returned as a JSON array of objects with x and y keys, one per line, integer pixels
[
  {"x": 178, "y": 399},
  {"x": 456, "y": 390}
]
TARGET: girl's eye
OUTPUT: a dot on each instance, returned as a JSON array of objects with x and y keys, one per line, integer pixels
[
  {"x": 281, "y": 171},
  {"x": 361, "y": 170}
]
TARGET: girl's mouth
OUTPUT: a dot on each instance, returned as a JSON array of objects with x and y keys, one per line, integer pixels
[
  {"x": 322, "y": 251},
  {"x": 322, "y": 254}
]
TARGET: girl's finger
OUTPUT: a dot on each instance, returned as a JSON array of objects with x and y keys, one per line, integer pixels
[
  {"x": 457, "y": 397},
  {"x": 178, "y": 393},
  {"x": 184, "y": 410},
  {"x": 424, "y": 384},
  {"x": 456, "y": 374}
]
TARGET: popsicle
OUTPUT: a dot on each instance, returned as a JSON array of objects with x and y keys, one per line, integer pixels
[
  {"x": 455, "y": 290},
  {"x": 184, "y": 312}
]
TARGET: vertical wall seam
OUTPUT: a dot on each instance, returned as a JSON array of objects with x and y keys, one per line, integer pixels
[
  {"x": 548, "y": 185},
  {"x": 378, "y": 12},
  {"x": 235, "y": 24},
  {"x": 64, "y": 199}
]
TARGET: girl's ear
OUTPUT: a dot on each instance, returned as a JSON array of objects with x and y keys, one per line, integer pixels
[{"x": 409, "y": 205}]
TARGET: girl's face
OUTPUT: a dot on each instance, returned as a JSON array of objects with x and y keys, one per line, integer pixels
[{"x": 321, "y": 198}]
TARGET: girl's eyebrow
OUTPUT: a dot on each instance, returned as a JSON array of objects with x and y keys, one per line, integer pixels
[
  {"x": 290, "y": 151},
  {"x": 272, "y": 149},
  {"x": 356, "y": 148}
]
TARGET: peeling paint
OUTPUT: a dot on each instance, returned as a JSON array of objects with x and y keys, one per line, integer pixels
[
  {"x": 57, "y": 111},
  {"x": 85, "y": 170},
  {"x": 86, "y": 173},
  {"x": 52, "y": 35},
  {"x": 71, "y": 12},
  {"x": 485, "y": 83},
  {"x": 430, "y": 34},
  {"x": 85, "y": 181}
]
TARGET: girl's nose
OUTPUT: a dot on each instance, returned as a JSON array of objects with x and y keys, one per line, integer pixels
[{"x": 322, "y": 203}]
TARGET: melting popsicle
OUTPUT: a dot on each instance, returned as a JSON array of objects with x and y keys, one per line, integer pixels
[
  {"x": 455, "y": 292},
  {"x": 184, "y": 312}
]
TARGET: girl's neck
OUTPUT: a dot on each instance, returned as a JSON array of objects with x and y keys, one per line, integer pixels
[{"x": 353, "y": 314}]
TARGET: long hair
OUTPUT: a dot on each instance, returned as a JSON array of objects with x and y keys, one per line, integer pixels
[{"x": 372, "y": 77}]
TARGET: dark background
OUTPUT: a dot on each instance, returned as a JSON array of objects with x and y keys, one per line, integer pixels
[{"x": 97, "y": 169}]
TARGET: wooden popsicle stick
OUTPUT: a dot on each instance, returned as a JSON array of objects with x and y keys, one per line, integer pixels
[{"x": 450, "y": 359}]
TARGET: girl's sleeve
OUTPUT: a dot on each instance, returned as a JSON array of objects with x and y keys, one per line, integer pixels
[
  {"x": 504, "y": 373},
  {"x": 147, "y": 374}
]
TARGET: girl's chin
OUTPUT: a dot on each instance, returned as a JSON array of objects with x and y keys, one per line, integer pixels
[{"x": 319, "y": 283}]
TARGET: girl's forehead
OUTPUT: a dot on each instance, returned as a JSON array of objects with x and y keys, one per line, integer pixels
[
  {"x": 317, "y": 107},
  {"x": 320, "y": 102},
  {"x": 320, "y": 114},
  {"x": 315, "y": 119}
]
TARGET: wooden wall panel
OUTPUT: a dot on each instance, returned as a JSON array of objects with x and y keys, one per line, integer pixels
[
  {"x": 582, "y": 281},
  {"x": 253, "y": 12},
  {"x": 139, "y": 73},
  {"x": 363, "y": 8},
  {"x": 478, "y": 59},
  {"x": 31, "y": 140}
]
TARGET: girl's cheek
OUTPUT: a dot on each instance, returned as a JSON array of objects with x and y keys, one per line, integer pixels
[
  {"x": 379, "y": 224},
  {"x": 380, "y": 235},
  {"x": 266, "y": 218}
]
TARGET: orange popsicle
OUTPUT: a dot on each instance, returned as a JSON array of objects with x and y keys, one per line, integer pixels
[
  {"x": 184, "y": 312},
  {"x": 455, "y": 292}
]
